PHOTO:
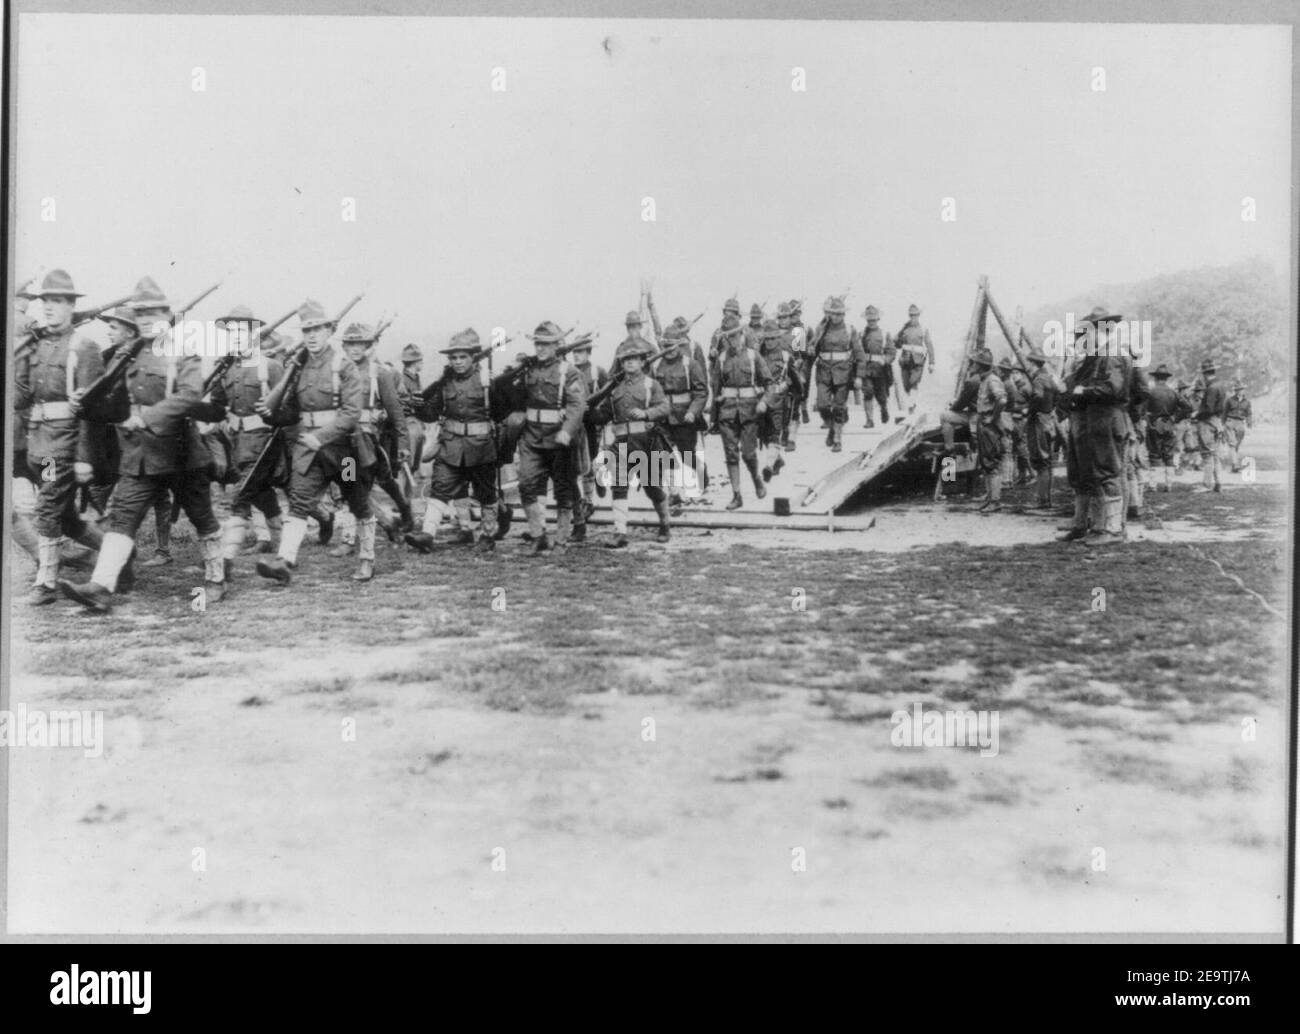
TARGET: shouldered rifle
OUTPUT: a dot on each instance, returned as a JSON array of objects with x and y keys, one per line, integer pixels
[
  {"x": 79, "y": 319},
  {"x": 601, "y": 394},
  {"x": 230, "y": 358},
  {"x": 516, "y": 370},
  {"x": 94, "y": 401},
  {"x": 477, "y": 356}
]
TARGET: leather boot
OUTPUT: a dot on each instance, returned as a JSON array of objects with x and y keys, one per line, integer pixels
[
  {"x": 1079, "y": 528},
  {"x": 760, "y": 489},
  {"x": 365, "y": 549},
  {"x": 661, "y": 508}
]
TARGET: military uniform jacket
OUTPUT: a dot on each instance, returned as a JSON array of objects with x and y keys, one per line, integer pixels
[
  {"x": 1042, "y": 392},
  {"x": 740, "y": 379},
  {"x": 639, "y": 392},
  {"x": 382, "y": 414},
  {"x": 1164, "y": 408},
  {"x": 556, "y": 393},
  {"x": 968, "y": 394},
  {"x": 780, "y": 365},
  {"x": 1104, "y": 379},
  {"x": 1237, "y": 409},
  {"x": 1214, "y": 403},
  {"x": 593, "y": 379},
  {"x": 914, "y": 345},
  {"x": 461, "y": 403},
  {"x": 1018, "y": 392},
  {"x": 992, "y": 398},
  {"x": 59, "y": 364},
  {"x": 238, "y": 391},
  {"x": 685, "y": 385},
  {"x": 326, "y": 402},
  {"x": 166, "y": 392},
  {"x": 877, "y": 350},
  {"x": 754, "y": 337},
  {"x": 408, "y": 392},
  {"x": 838, "y": 350}
]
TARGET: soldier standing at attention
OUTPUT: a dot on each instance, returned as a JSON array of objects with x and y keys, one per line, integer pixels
[
  {"x": 160, "y": 445},
  {"x": 838, "y": 353},
  {"x": 915, "y": 353},
  {"x": 877, "y": 374},
  {"x": 1209, "y": 427},
  {"x": 1097, "y": 385},
  {"x": 409, "y": 393},
  {"x": 381, "y": 418},
  {"x": 990, "y": 403},
  {"x": 245, "y": 383},
  {"x": 467, "y": 454},
  {"x": 1238, "y": 417},
  {"x": 685, "y": 385},
  {"x": 1164, "y": 409},
  {"x": 60, "y": 446},
  {"x": 1040, "y": 426},
  {"x": 323, "y": 410},
  {"x": 1018, "y": 392},
  {"x": 632, "y": 409},
  {"x": 586, "y": 446},
  {"x": 554, "y": 401},
  {"x": 740, "y": 380}
]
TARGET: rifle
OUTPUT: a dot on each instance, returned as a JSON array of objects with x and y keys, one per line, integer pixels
[
  {"x": 516, "y": 370},
  {"x": 601, "y": 394},
  {"x": 94, "y": 400},
  {"x": 654, "y": 316},
  {"x": 477, "y": 356},
  {"x": 79, "y": 319}
]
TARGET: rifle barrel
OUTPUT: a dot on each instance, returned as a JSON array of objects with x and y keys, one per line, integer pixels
[{"x": 348, "y": 308}]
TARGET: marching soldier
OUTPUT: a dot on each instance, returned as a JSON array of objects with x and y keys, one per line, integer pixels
[
  {"x": 586, "y": 446},
  {"x": 1097, "y": 386},
  {"x": 731, "y": 308},
  {"x": 1238, "y": 417},
  {"x": 1209, "y": 427},
  {"x": 245, "y": 383},
  {"x": 915, "y": 353},
  {"x": 409, "y": 394},
  {"x": 1040, "y": 427},
  {"x": 60, "y": 446},
  {"x": 803, "y": 358},
  {"x": 382, "y": 420},
  {"x": 324, "y": 411},
  {"x": 878, "y": 371},
  {"x": 467, "y": 454},
  {"x": 772, "y": 423},
  {"x": 554, "y": 400},
  {"x": 685, "y": 385},
  {"x": 1164, "y": 410},
  {"x": 632, "y": 409},
  {"x": 160, "y": 446},
  {"x": 990, "y": 404},
  {"x": 837, "y": 351},
  {"x": 1135, "y": 433},
  {"x": 740, "y": 382},
  {"x": 796, "y": 397}
]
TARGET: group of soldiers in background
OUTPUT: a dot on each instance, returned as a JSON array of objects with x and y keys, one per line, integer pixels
[
  {"x": 140, "y": 429},
  {"x": 1120, "y": 430}
]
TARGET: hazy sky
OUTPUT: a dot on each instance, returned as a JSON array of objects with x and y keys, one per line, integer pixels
[{"x": 478, "y": 207}]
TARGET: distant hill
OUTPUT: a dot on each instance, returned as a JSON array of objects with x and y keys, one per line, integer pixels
[{"x": 1235, "y": 315}]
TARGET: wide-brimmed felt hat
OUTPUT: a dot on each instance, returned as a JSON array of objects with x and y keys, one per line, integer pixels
[
  {"x": 912, "y": 310},
  {"x": 982, "y": 357},
  {"x": 313, "y": 314},
  {"x": 123, "y": 314},
  {"x": 466, "y": 340},
  {"x": 1100, "y": 315},
  {"x": 57, "y": 283},
  {"x": 547, "y": 333},
  {"x": 1161, "y": 372},
  {"x": 359, "y": 334},
  {"x": 411, "y": 354},
  {"x": 148, "y": 295},
  {"x": 633, "y": 346},
  {"x": 239, "y": 314}
]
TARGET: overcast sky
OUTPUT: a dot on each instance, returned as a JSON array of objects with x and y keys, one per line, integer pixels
[{"x": 478, "y": 207}]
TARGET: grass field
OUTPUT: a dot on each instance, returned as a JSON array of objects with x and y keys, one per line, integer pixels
[{"x": 658, "y": 739}]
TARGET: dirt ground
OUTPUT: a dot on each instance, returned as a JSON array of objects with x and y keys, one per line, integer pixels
[{"x": 661, "y": 740}]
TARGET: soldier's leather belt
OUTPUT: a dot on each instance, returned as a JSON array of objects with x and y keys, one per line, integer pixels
[
  {"x": 42, "y": 411},
  {"x": 914, "y": 349},
  {"x": 739, "y": 393},
  {"x": 680, "y": 400},
  {"x": 317, "y": 417},
  {"x": 472, "y": 428},
  {"x": 252, "y": 422},
  {"x": 827, "y": 352},
  {"x": 878, "y": 358},
  {"x": 631, "y": 427},
  {"x": 544, "y": 416}
]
